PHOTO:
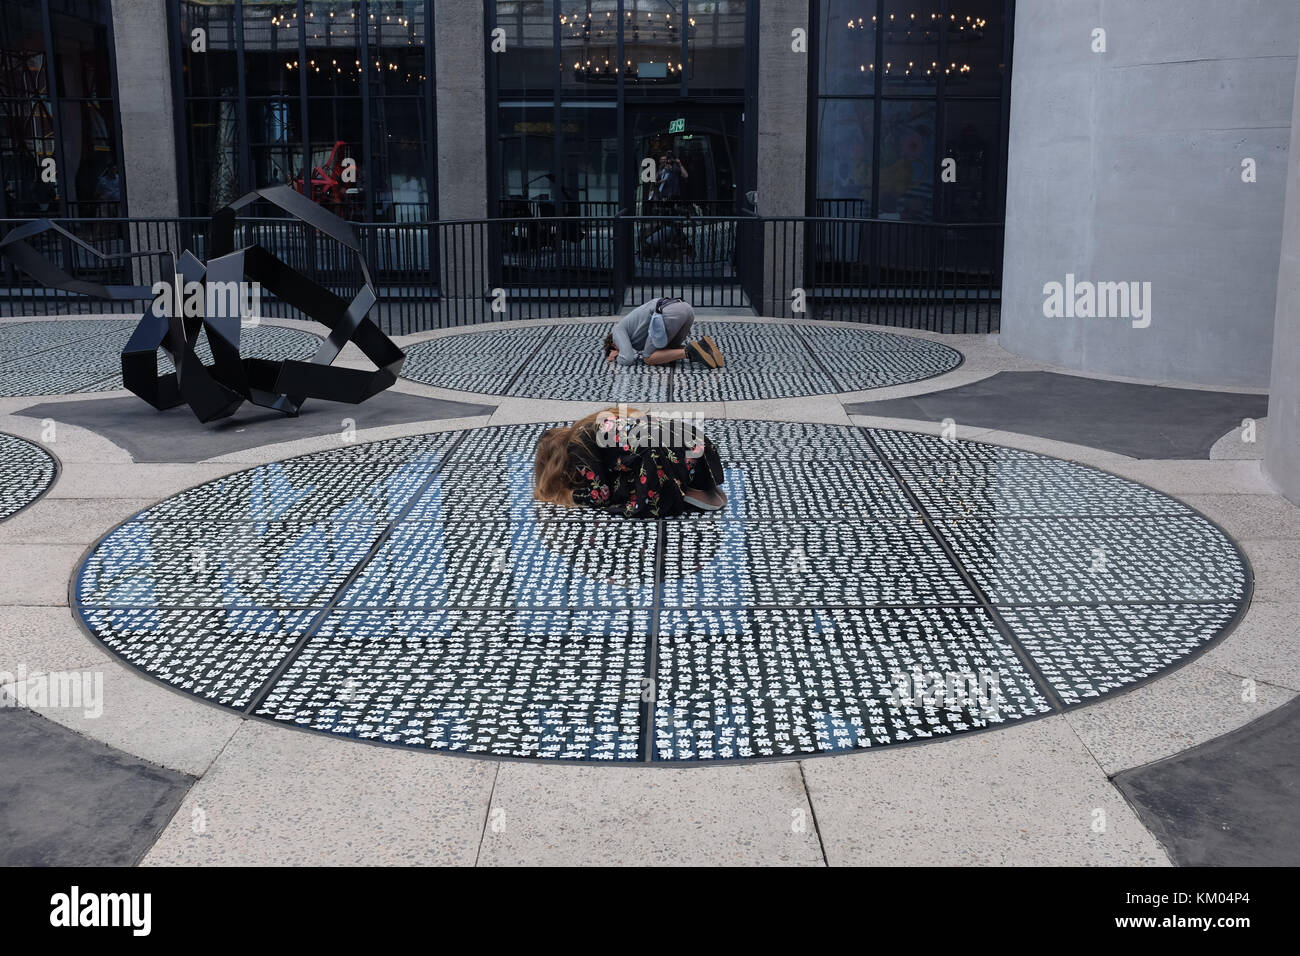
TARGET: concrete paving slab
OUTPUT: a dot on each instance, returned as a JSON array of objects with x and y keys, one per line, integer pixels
[
  {"x": 1265, "y": 646},
  {"x": 964, "y": 374},
  {"x": 1276, "y": 565},
  {"x": 62, "y": 439},
  {"x": 278, "y": 797},
  {"x": 1026, "y": 796},
  {"x": 518, "y": 411},
  {"x": 1188, "y": 707},
  {"x": 69, "y": 520},
  {"x": 44, "y": 639},
  {"x": 746, "y": 815},
  {"x": 963, "y": 433},
  {"x": 177, "y": 436},
  {"x": 1233, "y": 445},
  {"x": 1196, "y": 477},
  {"x": 262, "y": 454},
  {"x": 814, "y": 408},
  {"x": 88, "y": 480},
  {"x": 37, "y": 574},
  {"x": 1248, "y": 517}
]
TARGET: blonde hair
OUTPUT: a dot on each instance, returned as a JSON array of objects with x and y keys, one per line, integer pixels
[{"x": 554, "y": 475}]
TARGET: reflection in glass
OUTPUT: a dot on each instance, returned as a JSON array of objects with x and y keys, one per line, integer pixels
[
  {"x": 907, "y": 159},
  {"x": 716, "y": 46},
  {"x": 525, "y": 64},
  {"x": 57, "y": 106},
  {"x": 844, "y": 157},
  {"x": 975, "y": 37},
  {"x": 319, "y": 144},
  {"x": 935, "y": 92},
  {"x": 971, "y": 139},
  {"x": 847, "y": 62},
  {"x": 911, "y": 46}
]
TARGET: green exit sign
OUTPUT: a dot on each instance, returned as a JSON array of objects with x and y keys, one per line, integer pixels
[{"x": 677, "y": 125}]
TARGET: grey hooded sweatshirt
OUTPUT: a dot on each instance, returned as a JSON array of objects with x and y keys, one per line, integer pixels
[{"x": 653, "y": 325}]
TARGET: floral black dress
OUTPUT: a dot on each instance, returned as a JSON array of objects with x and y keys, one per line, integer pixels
[{"x": 641, "y": 467}]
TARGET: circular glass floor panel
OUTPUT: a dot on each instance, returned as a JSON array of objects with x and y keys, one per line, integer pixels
[
  {"x": 764, "y": 360},
  {"x": 26, "y": 472},
  {"x": 862, "y": 588},
  {"x": 85, "y": 355}
]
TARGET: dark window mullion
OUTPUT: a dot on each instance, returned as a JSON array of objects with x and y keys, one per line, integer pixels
[
  {"x": 245, "y": 156},
  {"x": 430, "y": 104},
  {"x": 118, "y": 158},
  {"x": 557, "y": 90},
  {"x": 626, "y": 193},
  {"x": 940, "y": 106},
  {"x": 367, "y": 143},
  {"x": 56, "y": 112},
  {"x": 877, "y": 87},
  {"x": 180, "y": 113},
  {"x": 303, "y": 112},
  {"x": 685, "y": 27}
]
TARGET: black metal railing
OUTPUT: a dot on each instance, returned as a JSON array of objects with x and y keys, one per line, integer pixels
[
  {"x": 943, "y": 277},
  {"x": 936, "y": 276}
]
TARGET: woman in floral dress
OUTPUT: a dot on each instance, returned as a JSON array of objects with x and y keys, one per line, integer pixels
[{"x": 630, "y": 464}]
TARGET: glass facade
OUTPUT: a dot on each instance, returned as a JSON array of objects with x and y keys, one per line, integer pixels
[
  {"x": 900, "y": 87},
  {"x": 333, "y": 97},
  {"x": 585, "y": 90},
  {"x": 60, "y": 154}
]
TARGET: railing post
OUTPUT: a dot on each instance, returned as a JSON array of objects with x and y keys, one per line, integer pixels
[
  {"x": 782, "y": 265},
  {"x": 623, "y": 252}
]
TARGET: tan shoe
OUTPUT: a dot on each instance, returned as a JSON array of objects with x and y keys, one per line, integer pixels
[
  {"x": 712, "y": 347},
  {"x": 698, "y": 353}
]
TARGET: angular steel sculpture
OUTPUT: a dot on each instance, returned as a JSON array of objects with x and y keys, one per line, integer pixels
[
  {"x": 216, "y": 391},
  {"x": 18, "y": 250}
]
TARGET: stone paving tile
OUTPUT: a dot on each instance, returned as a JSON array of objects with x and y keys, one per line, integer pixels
[
  {"x": 1029, "y": 795},
  {"x": 279, "y": 798},
  {"x": 1185, "y": 708},
  {"x": 754, "y": 815}
]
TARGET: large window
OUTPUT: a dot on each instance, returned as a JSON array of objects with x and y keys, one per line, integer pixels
[
  {"x": 902, "y": 86},
  {"x": 332, "y": 97},
  {"x": 60, "y": 153},
  {"x": 578, "y": 92}
]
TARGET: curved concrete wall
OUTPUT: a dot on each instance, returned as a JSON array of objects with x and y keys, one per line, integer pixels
[
  {"x": 1282, "y": 437},
  {"x": 1127, "y": 166}
]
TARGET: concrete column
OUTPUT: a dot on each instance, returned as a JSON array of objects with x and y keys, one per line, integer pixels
[
  {"x": 460, "y": 49},
  {"x": 1282, "y": 439},
  {"x": 1127, "y": 166},
  {"x": 144, "y": 88},
  {"x": 782, "y": 147}
]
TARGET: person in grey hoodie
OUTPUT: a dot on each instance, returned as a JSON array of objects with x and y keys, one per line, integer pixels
[{"x": 656, "y": 332}]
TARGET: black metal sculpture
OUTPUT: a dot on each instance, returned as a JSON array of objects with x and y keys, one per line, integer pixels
[
  {"x": 16, "y": 247},
  {"x": 216, "y": 391}
]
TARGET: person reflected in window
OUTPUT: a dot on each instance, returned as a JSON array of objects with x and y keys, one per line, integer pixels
[{"x": 672, "y": 177}]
